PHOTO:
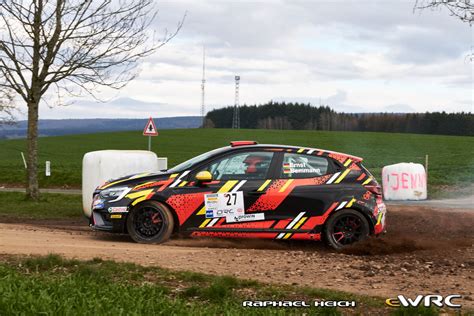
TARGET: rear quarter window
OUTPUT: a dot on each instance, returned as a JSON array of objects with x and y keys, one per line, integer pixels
[{"x": 297, "y": 166}]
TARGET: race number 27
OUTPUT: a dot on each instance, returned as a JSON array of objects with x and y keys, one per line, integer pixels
[{"x": 231, "y": 198}]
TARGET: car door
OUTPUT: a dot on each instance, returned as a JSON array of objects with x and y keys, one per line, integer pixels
[
  {"x": 246, "y": 171},
  {"x": 298, "y": 193}
]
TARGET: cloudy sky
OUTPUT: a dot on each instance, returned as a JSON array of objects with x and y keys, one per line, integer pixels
[{"x": 356, "y": 56}]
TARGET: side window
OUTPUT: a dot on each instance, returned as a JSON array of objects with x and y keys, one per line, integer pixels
[
  {"x": 241, "y": 166},
  {"x": 296, "y": 166}
]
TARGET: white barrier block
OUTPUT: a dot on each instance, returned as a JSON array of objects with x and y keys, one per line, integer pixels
[
  {"x": 101, "y": 166},
  {"x": 404, "y": 181}
]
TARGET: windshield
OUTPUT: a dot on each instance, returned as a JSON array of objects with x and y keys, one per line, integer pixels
[{"x": 193, "y": 161}]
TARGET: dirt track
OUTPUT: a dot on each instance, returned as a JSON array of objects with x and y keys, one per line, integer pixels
[{"x": 425, "y": 251}]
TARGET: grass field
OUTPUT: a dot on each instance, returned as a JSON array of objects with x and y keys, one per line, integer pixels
[
  {"x": 451, "y": 157},
  {"x": 50, "y": 206},
  {"x": 51, "y": 285}
]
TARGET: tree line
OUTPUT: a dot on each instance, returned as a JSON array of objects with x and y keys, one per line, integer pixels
[{"x": 299, "y": 116}]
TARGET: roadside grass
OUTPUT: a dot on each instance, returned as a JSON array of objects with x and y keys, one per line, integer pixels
[
  {"x": 50, "y": 206},
  {"x": 53, "y": 285},
  {"x": 451, "y": 157}
]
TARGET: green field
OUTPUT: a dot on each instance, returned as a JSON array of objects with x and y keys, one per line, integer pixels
[
  {"x": 50, "y": 206},
  {"x": 451, "y": 158},
  {"x": 51, "y": 285}
]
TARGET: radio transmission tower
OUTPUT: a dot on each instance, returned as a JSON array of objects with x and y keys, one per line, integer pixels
[
  {"x": 236, "y": 117},
  {"x": 203, "y": 83}
]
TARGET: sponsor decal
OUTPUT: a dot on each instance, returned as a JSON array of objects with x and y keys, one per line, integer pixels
[
  {"x": 322, "y": 303},
  {"x": 224, "y": 204},
  {"x": 118, "y": 209},
  {"x": 245, "y": 217},
  {"x": 424, "y": 300}
]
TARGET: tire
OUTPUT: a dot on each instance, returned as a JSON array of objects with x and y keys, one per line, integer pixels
[
  {"x": 344, "y": 228},
  {"x": 150, "y": 223}
]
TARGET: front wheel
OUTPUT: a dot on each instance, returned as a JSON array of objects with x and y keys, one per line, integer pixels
[
  {"x": 344, "y": 228},
  {"x": 150, "y": 222}
]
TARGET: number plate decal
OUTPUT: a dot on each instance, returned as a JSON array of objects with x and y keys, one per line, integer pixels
[{"x": 224, "y": 204}]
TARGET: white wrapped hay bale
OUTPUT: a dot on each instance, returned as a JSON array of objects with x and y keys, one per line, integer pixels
[
  {"x": 101, "y": 166},
  {"x": 404, "y": 181}
]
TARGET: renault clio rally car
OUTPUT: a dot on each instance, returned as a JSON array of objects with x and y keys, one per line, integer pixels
[{"x": 247, "y": 190}]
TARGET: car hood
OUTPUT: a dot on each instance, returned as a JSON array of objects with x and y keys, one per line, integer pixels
[{"x": 134, "y": 180}]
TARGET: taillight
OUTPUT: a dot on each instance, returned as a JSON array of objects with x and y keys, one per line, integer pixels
[{"x": 376, "y": 189}]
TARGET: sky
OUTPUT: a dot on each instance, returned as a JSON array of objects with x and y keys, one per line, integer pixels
[{"x": 355, "y": 56}]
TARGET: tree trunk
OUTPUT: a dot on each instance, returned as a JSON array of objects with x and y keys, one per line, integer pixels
[{"x": 32, "y": 190}]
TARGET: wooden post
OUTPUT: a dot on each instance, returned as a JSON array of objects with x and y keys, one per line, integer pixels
[
  {"x": 24, "y": 160},
  {"x": 426, "y": 165},
  {"x": 426, "y": 171}
]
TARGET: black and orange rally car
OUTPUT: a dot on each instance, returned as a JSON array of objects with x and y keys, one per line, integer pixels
[{"x": 247, "y": 190}]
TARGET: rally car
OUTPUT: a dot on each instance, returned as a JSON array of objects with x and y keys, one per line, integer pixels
[{"x": 247, "y": 190}]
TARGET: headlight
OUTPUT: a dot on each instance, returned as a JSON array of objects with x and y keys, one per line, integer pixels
[{"x": 115, "y": 194}]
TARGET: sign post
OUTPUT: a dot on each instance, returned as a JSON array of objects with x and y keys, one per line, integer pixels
[{"x": 150, "y": 130}]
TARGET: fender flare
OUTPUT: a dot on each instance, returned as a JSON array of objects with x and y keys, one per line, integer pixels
[{"x": 365, "y": 211}]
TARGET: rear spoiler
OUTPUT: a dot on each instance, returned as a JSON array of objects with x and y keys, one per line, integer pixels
[{"x": 353, "y": 158}]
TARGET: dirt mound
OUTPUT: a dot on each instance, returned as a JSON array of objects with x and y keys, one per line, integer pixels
[
  {"x": 413, "y": 229},
  {"x": 424, "y": 251},
  {"x": 381, "y": 246}
]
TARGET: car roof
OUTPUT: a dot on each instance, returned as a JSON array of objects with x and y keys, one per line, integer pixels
[{"x": 278, "y": 146}]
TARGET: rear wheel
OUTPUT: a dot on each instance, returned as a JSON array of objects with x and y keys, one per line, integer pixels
[
  {"x": 344, "y": 228},
  {"x": 150, "y": 222}
]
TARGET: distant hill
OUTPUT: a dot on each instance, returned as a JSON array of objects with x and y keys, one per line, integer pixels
[{"x": 82, "y": 126}]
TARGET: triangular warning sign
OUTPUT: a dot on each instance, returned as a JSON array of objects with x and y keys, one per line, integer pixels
[{"x": 150, "y": 128}]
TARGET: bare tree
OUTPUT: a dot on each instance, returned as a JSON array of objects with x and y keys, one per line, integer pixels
[
  {"x": 7, "y": 106},
  {"x": 71, "y": 46},
  {"x": 462, "y": 9}
]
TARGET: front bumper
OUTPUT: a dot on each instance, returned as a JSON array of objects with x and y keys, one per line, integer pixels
[
  {"x": 104, "y": 221},
  {"x": 107, "y": 216}
]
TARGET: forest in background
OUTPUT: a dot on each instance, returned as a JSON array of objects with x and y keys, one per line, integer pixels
[{"x": 299, "y": 116}]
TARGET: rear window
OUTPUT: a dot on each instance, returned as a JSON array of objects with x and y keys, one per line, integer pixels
[
  {"x": 364, "y": 169},
  {"x": 296, "y": 166}
]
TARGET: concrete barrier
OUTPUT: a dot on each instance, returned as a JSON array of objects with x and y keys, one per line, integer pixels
[{"x": 101, "y": 166}]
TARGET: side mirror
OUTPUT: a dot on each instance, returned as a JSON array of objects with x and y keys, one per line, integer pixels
[{"x": 204, "y": 176}]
